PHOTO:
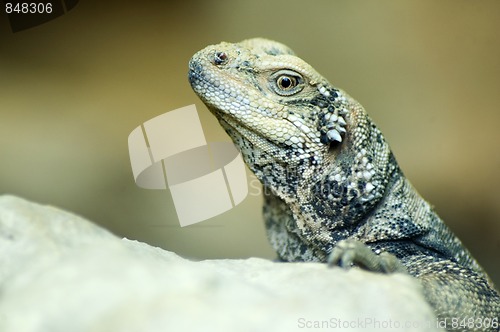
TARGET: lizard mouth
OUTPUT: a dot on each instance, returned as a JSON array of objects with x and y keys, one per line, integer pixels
[
  {"x": 234, "y": 127},
  {"x": 218, "y": 98},
  {"x": 227, "y": 102}
]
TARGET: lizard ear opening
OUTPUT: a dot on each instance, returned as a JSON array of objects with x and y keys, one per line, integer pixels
[{"x": 333, "y": 146}]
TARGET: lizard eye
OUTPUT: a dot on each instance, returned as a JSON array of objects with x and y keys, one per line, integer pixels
[{"x": 286, "y": 83}]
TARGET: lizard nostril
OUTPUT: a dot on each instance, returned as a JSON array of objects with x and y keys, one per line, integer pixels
[{"x": 220, "y": 58}]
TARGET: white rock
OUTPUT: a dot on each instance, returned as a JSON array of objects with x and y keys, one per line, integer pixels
[{"x": 60, "y": 273}]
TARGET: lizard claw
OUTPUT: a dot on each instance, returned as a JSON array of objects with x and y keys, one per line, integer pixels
[{"x": 348, "y": 253}]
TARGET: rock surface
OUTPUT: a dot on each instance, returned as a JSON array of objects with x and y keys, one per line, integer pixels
[{"x": 59, "y": 273}]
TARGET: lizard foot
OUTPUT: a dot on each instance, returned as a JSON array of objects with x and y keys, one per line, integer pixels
[{"x": 350, "y": 252}]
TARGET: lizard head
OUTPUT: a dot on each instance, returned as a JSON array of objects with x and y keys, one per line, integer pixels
[{"x": 302, "y": 137}]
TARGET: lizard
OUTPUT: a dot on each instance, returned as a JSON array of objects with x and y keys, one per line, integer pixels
[{"x": 333, "y": 190}]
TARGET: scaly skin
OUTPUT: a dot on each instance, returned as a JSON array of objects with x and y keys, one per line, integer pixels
[{"x": 334, "y": 190}]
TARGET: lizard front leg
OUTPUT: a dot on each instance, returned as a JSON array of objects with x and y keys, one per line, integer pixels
[{"x": 352, "y": 252}]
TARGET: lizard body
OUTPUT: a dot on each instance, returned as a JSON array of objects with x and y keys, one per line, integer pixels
[{"x": 333, "y": 189}]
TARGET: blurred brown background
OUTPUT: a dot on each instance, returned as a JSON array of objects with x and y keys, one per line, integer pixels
[{"x": 71, "y": 91}]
